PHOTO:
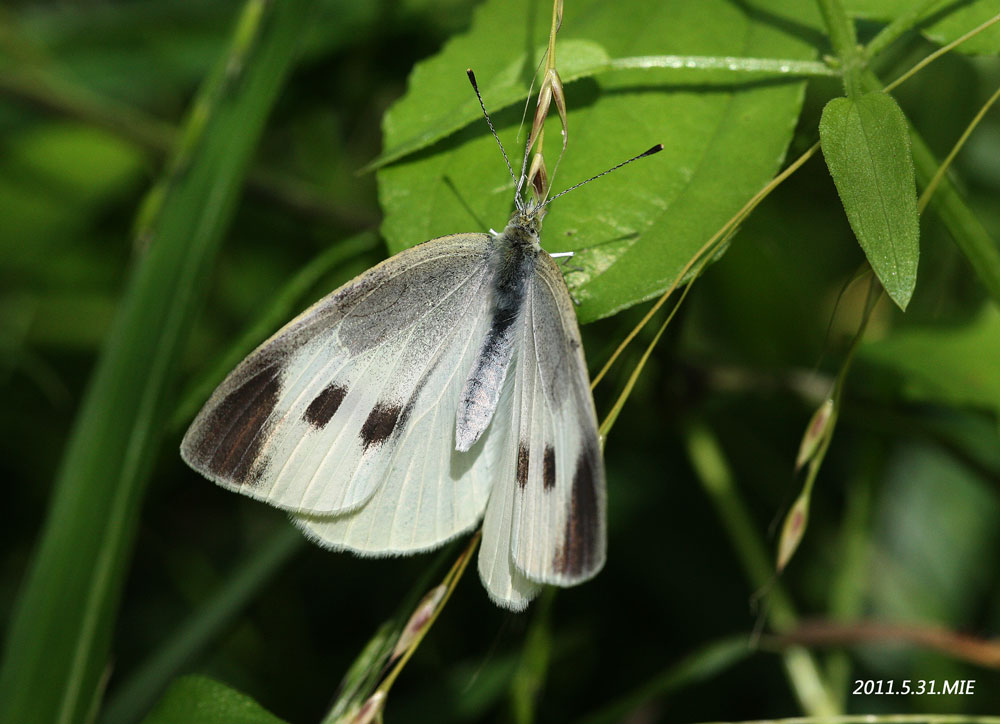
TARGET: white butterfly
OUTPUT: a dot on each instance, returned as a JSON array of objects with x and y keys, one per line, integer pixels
[{"x": 447, "y": 381}]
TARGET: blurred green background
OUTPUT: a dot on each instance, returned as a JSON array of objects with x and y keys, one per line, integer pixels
[{"x": 904, "y": 520}]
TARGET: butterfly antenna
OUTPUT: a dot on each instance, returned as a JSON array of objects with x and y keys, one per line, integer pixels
[
  {"x": 475, "y": 87},
  {"x": 655, "y": 149}
]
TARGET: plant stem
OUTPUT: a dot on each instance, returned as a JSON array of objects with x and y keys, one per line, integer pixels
[
  {"x": 716, "y": 479},
  {"x": 844, "y": 41},
  {"x": 901, "y": 24},
  {"x": 706, "y": 250},
  {"x": 944, "y": 49},
  {"x": 932, "y": 185},
  {"x": 771, "y": 66}
]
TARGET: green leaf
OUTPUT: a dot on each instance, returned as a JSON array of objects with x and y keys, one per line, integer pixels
[
  {"x": 953, "y": 366},
  {"x": 420, "y": 119},
  {"x": 636, "y": 230},
  {"x": 943, "y": 21},
  {"x": 57, "y": 646},
  {"x": 959, "y": 18},
  {"x": 200, "y": 700},
  {"x": 866, "y": 145}
]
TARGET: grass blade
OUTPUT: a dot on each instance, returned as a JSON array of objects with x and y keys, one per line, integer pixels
[
  {"x": 60, "y": 633},
  {"x": 135, "y": 696},
  {"x": 710, "y": 660}
]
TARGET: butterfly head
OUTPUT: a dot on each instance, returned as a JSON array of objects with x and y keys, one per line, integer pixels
[{"x": 527, "y": 219}]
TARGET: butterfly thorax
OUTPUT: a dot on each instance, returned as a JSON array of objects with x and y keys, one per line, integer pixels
[{"x": 515, "y": 253}]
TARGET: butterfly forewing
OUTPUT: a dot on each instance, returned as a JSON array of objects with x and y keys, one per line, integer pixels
[
  {"x": 545, "y": 517},
  {"x": 310, "y": 419},
  {"x": 430, "y": 492},
  {"x": 558, "y": 533},
  {"x": 446, "y": 380}
]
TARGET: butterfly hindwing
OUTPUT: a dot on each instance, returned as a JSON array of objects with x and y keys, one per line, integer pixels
[
  {"x": 505, "y": 584},
  {"x": 310, "y": 419}
]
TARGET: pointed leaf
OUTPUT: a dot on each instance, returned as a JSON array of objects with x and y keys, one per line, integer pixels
[{"x": 867, "y": 149}]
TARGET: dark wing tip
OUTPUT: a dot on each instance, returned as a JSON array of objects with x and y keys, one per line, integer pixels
[
  {"x": 225, "y": 443},
  {"x": 580, "y": 554}
]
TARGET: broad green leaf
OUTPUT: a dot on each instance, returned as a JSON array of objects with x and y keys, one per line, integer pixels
[
  {"x": 57, "y": 646},
  {"x": 421, "y": 119},
  {"x": 943, "y": 21},
  {"x": 866, "y": 145},
  {"x": 956, "y": 19},
  {"x": 200, "y": 700},
  {"x": 635, "y": 230},
  {"x": 954, "y": 366}
]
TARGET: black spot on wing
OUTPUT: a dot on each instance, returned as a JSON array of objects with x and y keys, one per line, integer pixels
[
  {"x": 579, "y": 550},
  {"x": 325, "y": 405},
  {"x": 381, "y": 422},
  {"x": 549, "y": 468},
  {"x": 234, "y": 431},
  {"x": 522, "y": 464}
]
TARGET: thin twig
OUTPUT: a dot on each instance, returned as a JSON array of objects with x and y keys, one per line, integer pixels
[
  {"x": 835, "y": 633},
  {"x": 941, "y": 51}
]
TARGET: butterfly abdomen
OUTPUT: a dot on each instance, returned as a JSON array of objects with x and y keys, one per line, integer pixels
[{"x": 514, "y": 256}]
